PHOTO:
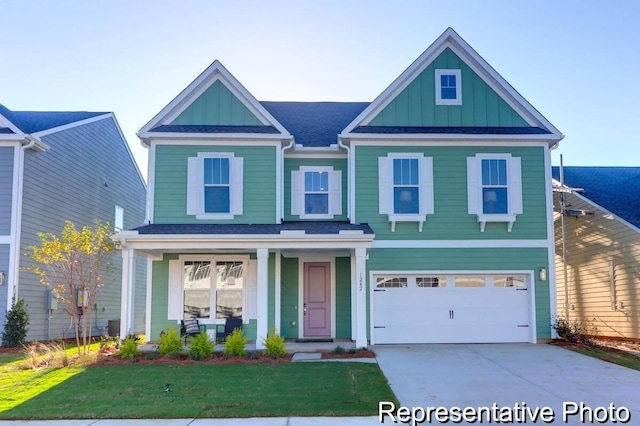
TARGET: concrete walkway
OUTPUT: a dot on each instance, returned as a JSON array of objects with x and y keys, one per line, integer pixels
[{"x": 479, "y": 375}]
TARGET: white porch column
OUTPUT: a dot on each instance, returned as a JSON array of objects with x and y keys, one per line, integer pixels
[
  {"x": 263, "y": 294},
  {"x": 128, "y": 291},
  {"x": 361, "y": 297}
]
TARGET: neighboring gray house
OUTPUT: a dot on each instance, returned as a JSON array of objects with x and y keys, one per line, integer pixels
[
  {"x": 58, "y": 166},
  {"x": 602, "y": 249}
]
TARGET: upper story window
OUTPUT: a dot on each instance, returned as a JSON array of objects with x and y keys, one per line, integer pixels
[
  {"x": 118, "y": 221},
  {"x": 405, "y": 183},
  {"x": 215, "y": 185},
  {"x": 494, "y": 188},
  {"x": 448, "y": 87},
  {"x": 316, "y": 192}
]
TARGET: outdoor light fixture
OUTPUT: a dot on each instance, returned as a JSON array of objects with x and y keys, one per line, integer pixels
[
  {"x": 543, "y": 274},
  {"x": 1, "y": 277}
]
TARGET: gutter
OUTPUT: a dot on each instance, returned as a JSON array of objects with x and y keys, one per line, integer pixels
[{"x": 350, "y": 180}]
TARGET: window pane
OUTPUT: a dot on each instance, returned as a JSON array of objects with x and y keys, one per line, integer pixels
[
  {"x": 494, "y": 200},
  {"x": 216, "y": 199},
  {"x": 494, "y": 172},
  {"x": 391, "y": 282},
  {"x": 469, "y": 281},
  {"x": 448, "y": 93},
  {"x": 197, "y": 294},
  {"x": 216, "y": 171},
  {"x": 452, "y": 81},
  {"x": 405, "y": 200},
  {"x": 229, "y": 289},
  {"x": 405, "y": 171},
  {"x": 425, "y": 282},
  {"x": 508, "y": 281},
  {"x": 316, "y": 204}
]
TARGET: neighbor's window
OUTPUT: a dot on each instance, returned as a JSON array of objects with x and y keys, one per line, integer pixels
[
  {"x": 217, "y": 192},
  {"x": 448, "y": 87},
  {"x": 494, "y": 186},
  {"x": 406, "y": 185},
  {"x": 118, "y": 222}
]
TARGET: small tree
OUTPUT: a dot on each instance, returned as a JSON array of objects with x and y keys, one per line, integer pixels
[
  {"x": 15, "y": 327},
  {"x": 73, "y": 265}
]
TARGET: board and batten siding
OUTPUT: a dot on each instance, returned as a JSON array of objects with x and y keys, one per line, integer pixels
[
  {"x": 593, "y": 245},
  {"x": 481, "y": 105},
  {"x": 7, "y": 155},
  {"x": 497, "y": 259},
  {"x": 291, "y": 164},
  {"x": 82, "y": 177},
  {"x": 259, "y": 183},
  {"x": 451, "y": 220}
]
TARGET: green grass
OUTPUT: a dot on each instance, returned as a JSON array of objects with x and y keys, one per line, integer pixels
[
  {"x": 612, "y": 355},
  {"x": 232, "y": 390}
]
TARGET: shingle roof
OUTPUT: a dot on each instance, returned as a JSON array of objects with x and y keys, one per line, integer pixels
[
  {"x": 457, "y": 130},
  {"x": 185, "y": 128},
  {"x": 319, "y": 227},
  {"x": 37, "y": 121},
  {"x": 616, "y": 189},
  {"x": 315, "y": 124}
]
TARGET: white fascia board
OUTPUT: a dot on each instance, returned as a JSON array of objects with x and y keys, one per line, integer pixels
[
  {"x": 181, "y": 138},
  {"x": 318, "y": 155},
  {"x": 350, "y": 137},
  {"x": 216, "y": 71},
  {"x": 331, "y": 149},
  {"x": 453, "y": 142},
  {"x": 72, "y": 125},
  {"x": 450, "y": 39},
  {"x": 8, "y": 137},
  {"x": 126, "y": 145}
]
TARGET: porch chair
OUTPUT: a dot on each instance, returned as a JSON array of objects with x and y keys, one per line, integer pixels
[
  {"x": 224, "y": 330},
  {"x": 190, "y": 327}
]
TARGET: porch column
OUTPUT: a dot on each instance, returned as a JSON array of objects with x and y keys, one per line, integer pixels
[
  {"x": 361, "y": 298},
  {"x": 263, "y": 302},
  {"x": 128, "y": 291}
]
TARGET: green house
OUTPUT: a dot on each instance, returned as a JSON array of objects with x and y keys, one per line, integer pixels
[{"x": 424, "y": 216}]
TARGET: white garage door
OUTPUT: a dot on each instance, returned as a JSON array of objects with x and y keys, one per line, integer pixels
[{"x": 451, "y": 309}]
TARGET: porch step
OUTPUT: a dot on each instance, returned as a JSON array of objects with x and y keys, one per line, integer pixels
[
  {"x": 306, "y": 356},
  {"x": 314, "y": 340}
]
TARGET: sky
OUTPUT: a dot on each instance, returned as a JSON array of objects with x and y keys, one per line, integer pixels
[{"x": 575, "y": 61}]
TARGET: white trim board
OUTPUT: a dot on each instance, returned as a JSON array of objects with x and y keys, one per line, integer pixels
[{"x": 443, "y": 244}]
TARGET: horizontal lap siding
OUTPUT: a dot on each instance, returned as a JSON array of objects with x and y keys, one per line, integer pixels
[
  {"x": 82, "y": 177},
  {"x": 592, "y": 242},
  {"x": 451, "y": 220},
  {"x": 6, "y": 188},
  {"x": 291, "y": 164},
  {"x": 471, "y": 260},
  {"x": 259, "y": 191}
]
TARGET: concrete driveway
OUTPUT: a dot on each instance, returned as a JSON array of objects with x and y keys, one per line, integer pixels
[{"x": 478, "y": 375}]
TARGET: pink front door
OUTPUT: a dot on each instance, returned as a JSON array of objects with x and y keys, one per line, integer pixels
[{"x": 317, "y": 299}]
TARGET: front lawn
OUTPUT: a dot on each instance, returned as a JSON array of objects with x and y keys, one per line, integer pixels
[
  {"x": 228, "y": 390},
  {"x": 605, "y": 353}
]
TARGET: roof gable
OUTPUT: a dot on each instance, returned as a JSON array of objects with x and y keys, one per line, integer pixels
[
  {"x": 416, "y": 86},
  {"x": 214, "y": 98},
  {"x": 615, "y": 189}
]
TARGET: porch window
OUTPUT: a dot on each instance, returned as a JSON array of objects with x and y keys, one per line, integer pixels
[
  {"x": 229, "y": 287},
  {"x": 197, "y": 289}
]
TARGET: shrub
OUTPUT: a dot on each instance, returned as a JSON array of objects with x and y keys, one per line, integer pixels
[
  {"x": 129, "y": 348},
  {"x": 201, "y": 347},
  {"x": 574, "y": 331},
  {"x": 235, "y": 343},
  {"x": 170, "y": 342},
  {"x": 15, "y": 327},
  {"x": 339, "y": 350},
  {"x": 274, "y": 345}
]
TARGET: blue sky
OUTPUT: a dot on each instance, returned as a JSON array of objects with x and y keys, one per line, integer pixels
[{"x": 576, "y": 61}]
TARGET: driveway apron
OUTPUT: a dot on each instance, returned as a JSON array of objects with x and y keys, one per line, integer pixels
[{"x": 478, "y": 375}]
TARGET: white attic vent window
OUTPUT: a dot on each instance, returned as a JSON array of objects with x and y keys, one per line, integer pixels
[{"x": 448, "y": 87}]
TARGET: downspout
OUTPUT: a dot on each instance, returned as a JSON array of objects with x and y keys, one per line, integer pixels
[
  {"x": 282, "y": 177},
  {"x": 350, "y": 177},
  {"x": 12, "y": 290}
]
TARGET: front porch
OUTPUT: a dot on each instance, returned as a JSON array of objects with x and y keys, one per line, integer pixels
[{"x": 306, "y": 280}]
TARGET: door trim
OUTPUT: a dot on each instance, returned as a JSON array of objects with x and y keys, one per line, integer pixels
[{"x": 332, "y": 309}]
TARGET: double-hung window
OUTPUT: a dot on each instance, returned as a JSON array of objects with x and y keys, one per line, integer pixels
[
  {"x": 316, "y": 192},
  {"x": 494, "y": 188},
  {"x": 215, "y": 183},
  {"x": 448, "y": 87},
  {"x": 405, "y": 183}
]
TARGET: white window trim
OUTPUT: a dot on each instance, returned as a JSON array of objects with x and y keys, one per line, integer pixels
[
  {"x": 510, "y": 217},
  {"x": 425, "y": 194},
  {"x": 458, "y": 99},
  {"x": 233, "y": 192},
  {"x": 212, "y": 296},
  {"x": 334, "y": 205}
]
